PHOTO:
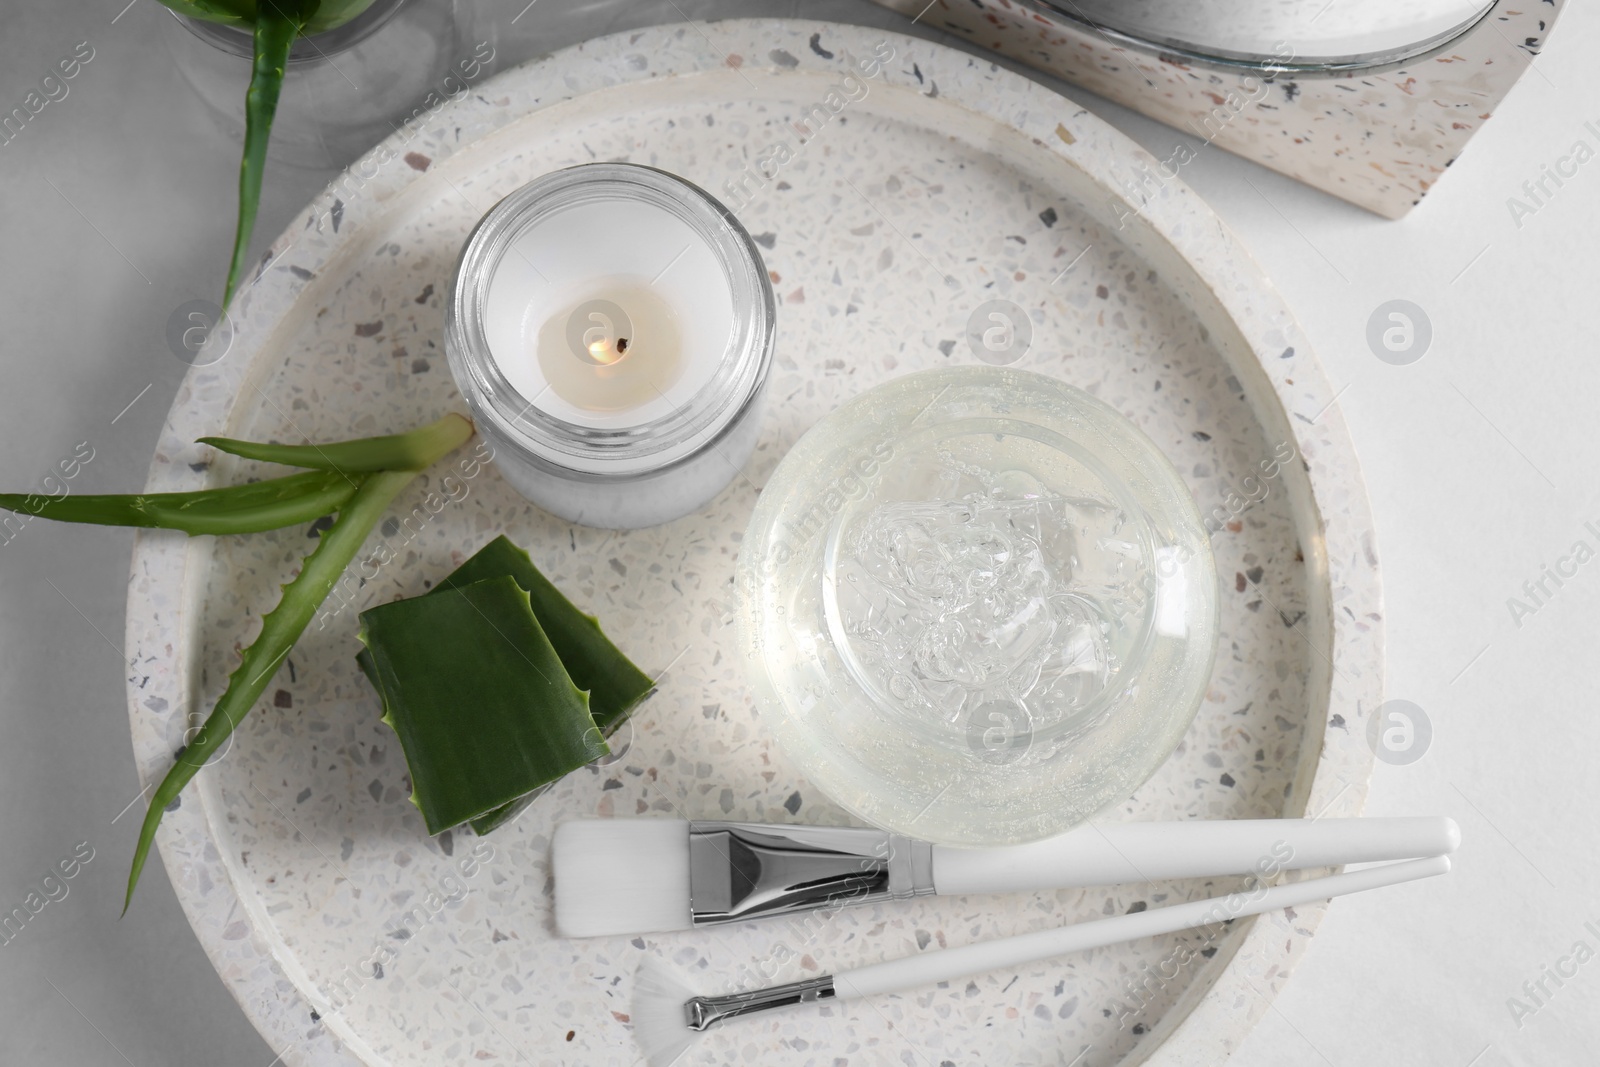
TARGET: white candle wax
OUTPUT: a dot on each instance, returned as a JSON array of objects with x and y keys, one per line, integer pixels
[
  {"x": 627, "y": 343},
  {"x": 600, "y": 275},
  {"x": 611, "y": 326}
]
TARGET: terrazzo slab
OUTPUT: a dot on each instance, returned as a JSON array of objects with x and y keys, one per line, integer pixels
[
  {"x": 1377, "y": 136},
  {"x": 928, "y": 183}
]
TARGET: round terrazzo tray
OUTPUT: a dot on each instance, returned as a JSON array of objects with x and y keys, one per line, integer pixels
[{"x": 892, "y": 214}]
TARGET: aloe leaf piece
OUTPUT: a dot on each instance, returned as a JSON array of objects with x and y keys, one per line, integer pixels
[
  {"x": 490, "y": 820},
  {"x": 280, "y": 629},
  {"x": 234, "y": 509},
  {"x": 402, "y": 451},
  {"x": 616, "y": 686},
  {"x": 274, "y": 25},
  {"x": 484, "y": 710},
  {"x": 277, "y": 23}
]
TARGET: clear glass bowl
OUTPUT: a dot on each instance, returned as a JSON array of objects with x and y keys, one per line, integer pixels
[{"x": 978, "y": 605}]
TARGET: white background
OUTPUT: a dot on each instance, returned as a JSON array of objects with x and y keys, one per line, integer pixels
[{"x": 116, "y": 206}]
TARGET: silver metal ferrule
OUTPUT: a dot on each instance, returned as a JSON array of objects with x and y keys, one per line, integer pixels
[
  {"x": 702, "y": 1013},
  {"x": 741, "y": 871}
]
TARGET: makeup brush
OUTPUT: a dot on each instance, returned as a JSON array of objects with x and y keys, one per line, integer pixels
[
  {"x": 637, "y": 876},
  {"x": 668, "y": 1018}
]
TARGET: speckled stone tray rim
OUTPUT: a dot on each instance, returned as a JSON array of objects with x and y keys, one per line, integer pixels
[{"x": 1283, "y": 381}]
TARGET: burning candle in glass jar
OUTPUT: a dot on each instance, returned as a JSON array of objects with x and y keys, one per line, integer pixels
[
  {"x": 611, "y": 328},
  {"x": 623, "y": 359}
]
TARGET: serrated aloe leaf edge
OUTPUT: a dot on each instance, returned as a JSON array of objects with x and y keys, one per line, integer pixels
[
  {"x": 615, "y": 685},
  {"x": 283, "y": 625}
]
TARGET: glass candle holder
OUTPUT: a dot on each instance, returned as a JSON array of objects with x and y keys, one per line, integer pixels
[{"x": 611, "y": 328}]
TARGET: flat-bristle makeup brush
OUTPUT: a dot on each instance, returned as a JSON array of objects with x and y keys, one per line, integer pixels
[
  {"x": 668, "y": 1018},
  {"x": 640, "y": 876}
]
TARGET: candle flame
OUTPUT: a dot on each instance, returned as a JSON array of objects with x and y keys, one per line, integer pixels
[
  {"x": 603, "y": 344},
  {"x": 603, "y": 354}
]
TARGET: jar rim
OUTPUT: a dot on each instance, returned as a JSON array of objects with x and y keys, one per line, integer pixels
[{"x": 648, "y": 446}]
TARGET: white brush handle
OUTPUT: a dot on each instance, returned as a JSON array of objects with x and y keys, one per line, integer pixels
[
  {"x": 1154, "y": 851},
  {"x": 949, "y": 964}
]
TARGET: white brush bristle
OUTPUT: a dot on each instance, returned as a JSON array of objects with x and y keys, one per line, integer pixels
[
  {"x": 659, "y": 1021},
  {"x": 621, "y": 876}
]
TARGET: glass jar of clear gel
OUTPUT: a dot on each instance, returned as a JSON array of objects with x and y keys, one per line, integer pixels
[
  {"x": 611, "y": 328},
  {"x": 978, "y": 605}
]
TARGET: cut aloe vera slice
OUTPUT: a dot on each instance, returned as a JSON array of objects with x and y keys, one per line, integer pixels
[
  {"x": 615, "y": 685},
  {"x": 483, "y": 707}
]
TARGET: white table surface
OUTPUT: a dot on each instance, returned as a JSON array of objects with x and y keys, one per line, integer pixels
[{"x": 116, "y": 206}]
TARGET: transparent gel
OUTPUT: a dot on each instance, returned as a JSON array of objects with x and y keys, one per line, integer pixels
[{"x": 977, "y": 605}]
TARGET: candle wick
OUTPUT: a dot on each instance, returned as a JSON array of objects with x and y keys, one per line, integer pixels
[{"x": 622, "y": 345}]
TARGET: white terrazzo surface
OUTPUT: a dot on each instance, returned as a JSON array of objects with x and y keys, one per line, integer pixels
[
  {"x": 1379, "y": 137},
  {"x": 949, "y": 182}
]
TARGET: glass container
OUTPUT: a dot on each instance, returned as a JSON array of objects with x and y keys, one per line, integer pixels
[
  {"x": 978, "y": 605},
  {"x": 611, "y": 327},
  {"x": 344, "y": 89}
]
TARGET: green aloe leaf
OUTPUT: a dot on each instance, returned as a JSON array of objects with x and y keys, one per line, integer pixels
[
  {"x": 616, "y": 686},
  {"x": 235, "y": 509},
  {"x": 280, "y": 629},
  {"x": 483, "y": 707},
  {"x": 274, "y": 25},
  {"x": 402, "y": 451},
  {"x": 277, "y": 24}
]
